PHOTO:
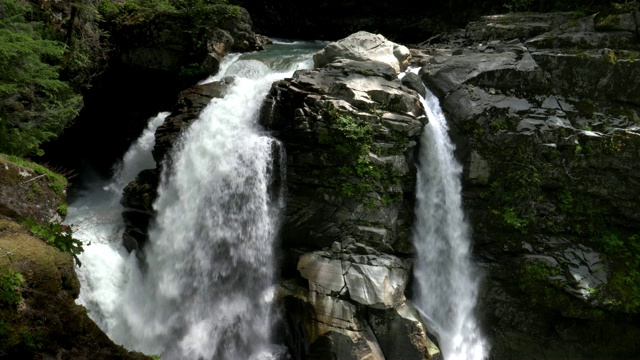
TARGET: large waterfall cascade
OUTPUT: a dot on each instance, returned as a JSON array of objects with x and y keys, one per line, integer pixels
[
  {"x": 446, "y": 281},
  {"x": 207, "y": 286}
]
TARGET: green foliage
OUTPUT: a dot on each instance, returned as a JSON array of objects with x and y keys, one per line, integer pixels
[
  {"x": 32, "y": 339},
  {"x": 62, "y": 210},
  {"x": 198, "y": 9},
  {"x": 58, "y": 236},
  {"x": 565, "y": 201},
  {"x": 612, "y": 244},
  {"x": 624, "y": 283},
  {"x": 511, "y": 218},
  {"x": 349, "y": 141},
  {"x": 36, "y": 105},
  {"x": 10, "y": 284},
  {"x": 517, "y": 187}
]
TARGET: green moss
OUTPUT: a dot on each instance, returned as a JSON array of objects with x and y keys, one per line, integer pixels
[
  {"x": 348, "y": 141},
  {"x": 610, "y": 57},
  {"x": 624, "y": 283},
  {"x": 57, "y": 182}
]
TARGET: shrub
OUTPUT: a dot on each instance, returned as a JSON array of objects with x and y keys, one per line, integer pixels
[
  {"x": 10, "y": 284},
  {"x": 58, "y": 236}
]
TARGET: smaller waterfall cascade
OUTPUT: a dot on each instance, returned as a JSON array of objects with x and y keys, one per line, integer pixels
[
  {"x": 207, "y": 286},
  {"x": 446, "y": 280},
  {"x": 96, "y": 219}
]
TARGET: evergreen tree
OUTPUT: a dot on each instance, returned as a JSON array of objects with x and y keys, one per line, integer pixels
[{"x": 35, "y": 105}]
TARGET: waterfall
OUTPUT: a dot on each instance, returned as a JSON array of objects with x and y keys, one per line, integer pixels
[
  {"x": 207, "y": 287},
  {"x": 96, "y": 219},
  {"x": 446, "y": 280}
]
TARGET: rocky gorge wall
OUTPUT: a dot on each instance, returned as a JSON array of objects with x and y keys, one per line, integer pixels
[
  {"x": 149, "y": 55},
  {"x": 545, "y": 112}
]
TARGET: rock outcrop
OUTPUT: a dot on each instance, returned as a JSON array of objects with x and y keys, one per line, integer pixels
[
  {"x": 29, "y": 190},
  {"x": 545, "y": 109},
  {"x": 39, "y": 318},
  {"x": 153, "y": 55},
  {"x": 349, "y": 128},
  {"x": 181, "y": 40}
]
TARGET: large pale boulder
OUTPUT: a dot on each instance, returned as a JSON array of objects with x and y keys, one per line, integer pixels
[
  {"x": 376, "y": 280},
  {"x": 365, "y": 46}
]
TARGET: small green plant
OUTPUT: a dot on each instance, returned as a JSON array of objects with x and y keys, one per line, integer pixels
[
  {"x": 612, "y": 244},
  {"x": 58, "y": 236},
  {"x": 10, "y": 283},
  {"x": 566, "y": 201},
  {"x": 32, "y": 339},
  {"x": 62, "y": 209},
  {"x": 610, "y": 57},
  {"x": 512, "y": 219}
]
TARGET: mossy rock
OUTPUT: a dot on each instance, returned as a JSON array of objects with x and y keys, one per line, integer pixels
[
  {"x": 29, "y": 190},
  {"x": 47, "y": 323}
]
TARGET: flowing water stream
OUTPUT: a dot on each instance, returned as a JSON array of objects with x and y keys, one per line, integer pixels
[
  {"x": 206, "y": 289},
  {"x": 446, "y": 280}
]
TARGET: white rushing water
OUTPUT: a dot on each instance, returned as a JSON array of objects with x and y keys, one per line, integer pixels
[
  {"x": 446, "y": 280},
  {"x": 205, "y": 291}
]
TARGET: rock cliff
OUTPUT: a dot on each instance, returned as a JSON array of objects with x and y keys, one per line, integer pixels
[
  {"x": 350, "y": 128},
  {"x": 545, "y": 110}
]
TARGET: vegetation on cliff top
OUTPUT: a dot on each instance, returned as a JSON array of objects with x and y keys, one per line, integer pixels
[
  {"x": 36, "y": 105},
  {"x": 51, "y": 52}
]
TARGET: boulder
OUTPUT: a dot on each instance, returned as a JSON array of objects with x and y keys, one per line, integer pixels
[
  {"x": 377, "y": 280},
  {"x": 365, "y": 46}
]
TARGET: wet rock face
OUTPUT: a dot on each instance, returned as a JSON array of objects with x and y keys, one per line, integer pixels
[
  {"x": 349, "y": 128},
  {"x": 546, "y": 120}
]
